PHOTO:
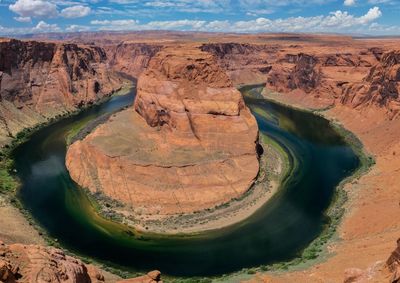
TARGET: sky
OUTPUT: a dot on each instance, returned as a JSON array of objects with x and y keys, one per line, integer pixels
[{"x": 362, "y": 17}]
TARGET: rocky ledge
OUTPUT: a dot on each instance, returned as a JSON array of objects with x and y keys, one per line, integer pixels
[
  {"x": 188, "y": 144},
  {"x": 32, "y": 263}
]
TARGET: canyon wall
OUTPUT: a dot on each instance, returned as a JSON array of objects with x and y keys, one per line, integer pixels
[
  {"x": 40, "y": 80},
  {"x": 355, "y": 75},
  {"x": 189, "y": 142},
  {"x": 131, "y": 58}
]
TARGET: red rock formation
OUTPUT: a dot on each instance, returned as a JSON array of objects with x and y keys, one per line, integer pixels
[
  {"x": 151, "y": 277},
  {"x": 131, "y": 58},
  {"x": 245, "y": 63},
  {"x": 305, "y": 75},
  {"x": 380, "y": 87},
  {"x": 393, "y": 264},
  {"x": 40, "y": 80},
  {"x": 32, "y": 263},
  {"x": 190, "y": 144}
]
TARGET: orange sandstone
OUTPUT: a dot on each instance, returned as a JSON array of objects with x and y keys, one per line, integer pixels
[{"x": 189, "y": 143}]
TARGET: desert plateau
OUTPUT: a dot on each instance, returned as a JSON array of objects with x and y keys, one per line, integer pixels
[{"x": 265, "y": 149}]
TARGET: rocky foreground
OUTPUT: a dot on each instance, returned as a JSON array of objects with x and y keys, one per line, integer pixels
[
  {"x": 188, "y": 144},
  {"x": 37, "y": 264}
]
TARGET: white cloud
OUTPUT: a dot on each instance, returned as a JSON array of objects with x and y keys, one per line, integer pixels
[
  {"x": 77, "y": 28},
  {"x": 23, "y": 19},
  {"x": 77, "y": 11},
  {"x": 42, "y": 27},
  {"x": 260, "y": 12},
  {"x": 116, "y": 24},
  {"x": 349, "y": 2},
  {"x": 338, "y": 21},
  {"x": 373, "y": 14},
  {"x": 34, "y": 8}
]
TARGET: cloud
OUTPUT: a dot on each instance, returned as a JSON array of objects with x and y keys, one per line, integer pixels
[
  {"x": 34, "y": 8},
  {"x": 23, "y": 19},
  {"x": 260, "y": 12},
  {"x": 77, "y": 11},
  {"x": 281, "y": 3},
  {"x": 77, "y": 28},
  {"x": 349, "y": 2},
  {"x": 338, "y": 21},
  {"x": 116, "y": 24},
  {"x": 188, "y": 6},
  {"x": 42, "y": 27}
]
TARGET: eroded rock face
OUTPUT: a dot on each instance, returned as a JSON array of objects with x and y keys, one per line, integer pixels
[
  {"x": 393, "y": 264},
  {"x": 32, "y": 263},
  {"x": 131, "y": 58},
  {"x": 380, "y": 87},
  {"x": 244, "y": 63},
  {"x": 151, "y": 277},
  {"x": 356, "y": 78},
  {"x": 305, "y": 74},
  {"x": 188, "y": 144},
  {"x": 40, "y": 80}
]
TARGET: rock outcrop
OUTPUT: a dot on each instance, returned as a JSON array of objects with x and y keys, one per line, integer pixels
[
  {"x": 380, "y": 87},
  {"x": 245, "y": 63},
  {"x": 40, "y": 80},
  {"x": 189, "y": 143},
  {"x": 131, "y": 58},
  {"x": 356, "y": 78},
  {"x": 33, "y": 263},
  {"x": 151, "y": 277},
  {"x": 393, "y": 264}
]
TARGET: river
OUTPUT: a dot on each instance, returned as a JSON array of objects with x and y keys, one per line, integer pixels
[{"x": 279, "y": 231}]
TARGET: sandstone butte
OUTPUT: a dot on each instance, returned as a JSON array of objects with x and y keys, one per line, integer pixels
[
  {"x": 355, "y": 81},
  {"x": 188, "y": 144}
]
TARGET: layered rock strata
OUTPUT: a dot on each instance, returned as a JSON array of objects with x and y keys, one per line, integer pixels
[
  {"x": 380, "y": 87},
  {"x": 32, "y": 263},
  {"x": 358, "y": 77},
  {"x": 40, "y": 80},
  {"x": 131, "y": 58},
  {"x": 188, "y": 144}
]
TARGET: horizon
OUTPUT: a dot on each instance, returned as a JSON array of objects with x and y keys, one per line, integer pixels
[{"x": 345, "y": 17}]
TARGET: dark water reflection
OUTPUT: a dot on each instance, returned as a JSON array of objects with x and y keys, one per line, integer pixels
[{"x": 278, "y": 231}]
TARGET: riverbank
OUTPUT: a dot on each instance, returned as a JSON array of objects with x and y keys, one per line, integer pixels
[
  {"x": 366, "y": 230},
  {"x": 273, "y": 168},
  {"x": 17, "y": 224},
  {"x": 251, "y": 271}
]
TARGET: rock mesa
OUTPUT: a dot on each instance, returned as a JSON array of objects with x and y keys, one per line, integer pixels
[{"x": 188, "y": 144}]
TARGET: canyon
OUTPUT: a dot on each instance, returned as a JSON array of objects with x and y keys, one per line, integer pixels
[
  {"x": 183, "y": 88},
  {"x": 42, "y": 80}
]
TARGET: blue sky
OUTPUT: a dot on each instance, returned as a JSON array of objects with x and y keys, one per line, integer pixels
[{"x": 374, "y": 17}]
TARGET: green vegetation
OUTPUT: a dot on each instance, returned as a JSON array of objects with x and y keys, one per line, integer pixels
[
  {"x": 8, "y": 184},
  {"x": 76, "y": 128}
]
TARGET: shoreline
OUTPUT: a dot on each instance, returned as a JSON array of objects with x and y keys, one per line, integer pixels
[
  {"x": 22, "y": 227},
  {"x": 297, "y": 263},
  {"x": 264, "y": 187}
]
